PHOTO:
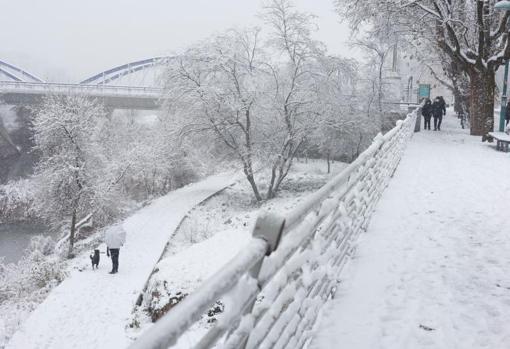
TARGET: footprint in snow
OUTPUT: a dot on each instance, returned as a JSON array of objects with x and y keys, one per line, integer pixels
[
  {"x": 426, "y": 328},
  {"x": 498, "y": 285}
]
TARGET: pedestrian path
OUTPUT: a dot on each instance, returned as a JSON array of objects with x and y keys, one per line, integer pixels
[
  {"x": 91, "y": 309},
  {"x": 433, "y": 269}
]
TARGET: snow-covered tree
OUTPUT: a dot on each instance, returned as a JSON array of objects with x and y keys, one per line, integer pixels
[
  {"x": 295, "y": 102},
  {"x": 259, "y": 98},
  {"x": 470, "y": 33},
  {"x": 72, "y": 175},
  {"x": 260, "y": 95},
  {"x": 214, "y": 89},
  {"x": 335, "y": 81},
  {"x": 377, "y": 51},
  {"x": 456, "y": 80}
]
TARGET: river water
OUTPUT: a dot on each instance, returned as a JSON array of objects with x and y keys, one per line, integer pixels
[{"x": 14, "y": 239}]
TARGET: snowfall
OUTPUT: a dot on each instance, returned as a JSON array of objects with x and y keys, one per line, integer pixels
[{"x": 430, "y": 272}]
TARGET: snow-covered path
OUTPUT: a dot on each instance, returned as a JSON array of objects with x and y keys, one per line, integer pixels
[
  {"x": 433, "y": 269},
  {"x": 90, "y": 309}
]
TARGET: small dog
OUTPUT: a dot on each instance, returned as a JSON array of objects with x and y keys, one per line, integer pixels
[{"x": 94, "y": 258}]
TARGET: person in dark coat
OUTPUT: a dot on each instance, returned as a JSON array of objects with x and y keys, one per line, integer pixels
[
  {"x": 426, "y": 111},
  {"x": 507, "y": 114},
  {"x": 443, "y": 104},
  {"x": 438, "y": 110}
]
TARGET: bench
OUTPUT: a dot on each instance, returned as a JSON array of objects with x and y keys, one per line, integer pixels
[{"x": 502, "y": 140}]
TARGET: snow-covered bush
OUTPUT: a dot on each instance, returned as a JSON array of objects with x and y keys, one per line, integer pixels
[
  {"x": 25, "y": 285},
  {"x": 163, "y": 299},
  {"x": 17, "y": 201},
  {"x": 151, "y": 162},
  {"x": 390, "y": 119},
  {"x": 38, "y": 270},
  {"x": 41, "y": 244}
]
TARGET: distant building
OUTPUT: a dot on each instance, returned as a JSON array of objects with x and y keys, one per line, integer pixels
[{"x": 411, "y": 81}]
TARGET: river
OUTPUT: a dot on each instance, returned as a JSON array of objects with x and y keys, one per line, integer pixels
[{"x": 14, "y": 239}]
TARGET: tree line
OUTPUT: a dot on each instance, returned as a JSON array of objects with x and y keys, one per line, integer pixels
[{"x": 468, "y": 37}]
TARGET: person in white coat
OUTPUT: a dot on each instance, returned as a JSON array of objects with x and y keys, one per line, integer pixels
[{"x": 115, "y": 237}]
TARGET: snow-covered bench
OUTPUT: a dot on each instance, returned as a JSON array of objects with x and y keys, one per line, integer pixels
[{"x": 502, "y": 140}]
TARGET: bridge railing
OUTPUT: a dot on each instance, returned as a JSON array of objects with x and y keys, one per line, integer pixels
[
  {"x": 103, "y": 90},
  {"x": 273, "y": 290}
]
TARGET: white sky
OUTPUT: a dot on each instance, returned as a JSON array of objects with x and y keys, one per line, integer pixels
[{"x": 70, "y": 40}]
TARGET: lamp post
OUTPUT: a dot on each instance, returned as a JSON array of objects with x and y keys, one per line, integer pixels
[{"x": 504, "y": 6}]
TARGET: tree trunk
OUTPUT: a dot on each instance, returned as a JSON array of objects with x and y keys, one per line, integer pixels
[
  {"x": 248, "y": 172},
  {"x": 329, "y": 164},
  {"x": 461, "y": 101},
  {"x": 379, "y": 88},
  {"x": 281, "y": 168},
  {"x": 71, "y": 234},
  {"x": 278, "y": 173},
  {"x": 254, "y": 187},
  {"x": 270, "y": 193},
  {"x": 460, "y": 89},
  {"x": 481, "y": 102}
]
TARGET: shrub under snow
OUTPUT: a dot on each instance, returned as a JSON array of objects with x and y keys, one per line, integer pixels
[
  {"x": 23, "y": 286},
  {"x": 16, "y": 200}
]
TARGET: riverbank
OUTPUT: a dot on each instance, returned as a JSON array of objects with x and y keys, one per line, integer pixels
[{"x": 15, "y": 238}]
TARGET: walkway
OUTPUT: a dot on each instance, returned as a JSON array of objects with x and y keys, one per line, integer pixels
[
  {"x": 433, "y": 270},
  {"x": 91, "y": 309}
]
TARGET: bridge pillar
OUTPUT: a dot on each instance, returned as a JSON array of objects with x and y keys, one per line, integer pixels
[{"x": 17, "y": 159}]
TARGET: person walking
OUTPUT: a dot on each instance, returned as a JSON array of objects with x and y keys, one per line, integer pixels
[
  {"x": 115, "y": 237},
  {"x": 443, "y": 108},
  {"x": 507, "y": 114},
  {"x": 426, "y": 111},
  {"x": 443, "y": 104},
  {"x": 438, "y": 110}
]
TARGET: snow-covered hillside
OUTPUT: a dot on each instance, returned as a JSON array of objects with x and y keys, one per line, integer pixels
[
  {"x": 212, "y": 233},
  {"x": 90, "y": 309},
  {"x": 200, "y": 240}
]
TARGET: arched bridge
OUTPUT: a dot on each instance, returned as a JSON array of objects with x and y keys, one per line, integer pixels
[
  {"x": 116, "y": 73},
  {"x": 19, "y": 87},
  {"x": 13, "y": 73}
]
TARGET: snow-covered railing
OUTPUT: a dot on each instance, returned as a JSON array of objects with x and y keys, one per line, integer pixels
[{"x": 273, "y": 290}]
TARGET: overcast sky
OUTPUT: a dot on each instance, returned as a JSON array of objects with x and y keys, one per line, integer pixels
[{"x": 70, "y": 40}]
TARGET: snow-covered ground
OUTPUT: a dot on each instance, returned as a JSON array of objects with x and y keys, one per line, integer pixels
[
  {"x": 235, "y": 207},
  {"x": 432, "y": 271},
  {"x": 213, "y": 233},
  {"x": 91, "y": 309}
]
